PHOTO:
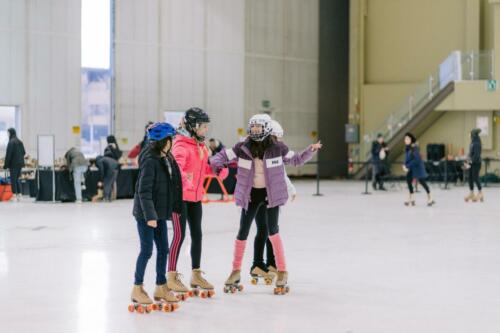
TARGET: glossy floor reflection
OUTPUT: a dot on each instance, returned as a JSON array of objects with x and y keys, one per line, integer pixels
[{"x": 357, "y": 264}]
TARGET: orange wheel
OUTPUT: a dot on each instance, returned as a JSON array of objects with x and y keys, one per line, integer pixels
[
  {"x": 140, "y": 309},
  {"x": 254, "y": 281},
  {"x": 131, "y": 308},
  {"x": 211, "y": 293},
  {"x": 190, "y": 293},
  {"x": 166, "y": 308},
  {"x": 276, "y": 291},
  {"x": 155, "y": 307},
  {"x": 203, "y": 294},
  {"x": 240, "y": 287}
]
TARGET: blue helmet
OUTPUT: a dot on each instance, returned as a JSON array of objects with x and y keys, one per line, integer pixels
[{"x": 160, "y": 131}]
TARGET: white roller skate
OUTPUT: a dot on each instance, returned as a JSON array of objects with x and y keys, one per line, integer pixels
[
  {"x": 232, "y": 284},
  {"x": 282, "y": 287},
  {"x": 141, "y": 302}
]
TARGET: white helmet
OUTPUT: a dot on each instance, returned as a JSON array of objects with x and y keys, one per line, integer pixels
[
  {"x": 260, "y": 119},
  {"x": 277, "y": 129}
]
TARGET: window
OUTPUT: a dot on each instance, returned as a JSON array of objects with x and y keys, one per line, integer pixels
[
  {"x": 96, "y": 75},
  {"x": 9, "y": 117}
]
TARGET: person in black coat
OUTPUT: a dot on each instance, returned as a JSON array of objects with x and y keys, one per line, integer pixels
[
  {"x": 14, "y": 161},
  {"x": 415, "y": 169},
  {"x": 108, "y": 172},
  {"x": 158, "y": 197},
  {"x": 215, "y": 146},
  {"x": 379, "y": 158},
  {"x": 112, "y": 150},
  {"x": 474, "y": 164}
]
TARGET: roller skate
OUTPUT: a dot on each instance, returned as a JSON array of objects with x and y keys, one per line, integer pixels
[
  {"x": 165, "y": 300},
  {"x": 411, "y": 201},
  {"x": 175, "y": 284},
  {"x": 258, "y": 273},
  {"x": 201, "y": 287},
  {"x": 141, "y": 303},
  {"x": 470, "y": 197},
  {"x": 272, "y": 269},
  {"x": 430, "y": 201},
  {"x": 232, "y": 284},
  {"x": 479, "y": 197},
  {"x": 282, "y": 287},
  {"x": 99, "y": 196}
]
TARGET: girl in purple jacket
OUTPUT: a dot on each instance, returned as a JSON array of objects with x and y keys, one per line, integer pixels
[{"x": 261, "y": 181}]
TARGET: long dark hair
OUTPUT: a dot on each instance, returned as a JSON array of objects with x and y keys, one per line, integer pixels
[
  {"x": 158, "y": 146},
  {"x": 258, "y": 148}
]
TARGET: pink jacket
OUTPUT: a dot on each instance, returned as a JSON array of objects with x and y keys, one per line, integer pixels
[{"x": 192, "y": 158}]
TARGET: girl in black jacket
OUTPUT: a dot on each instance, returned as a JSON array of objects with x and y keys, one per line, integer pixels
[
  {"x": 14, "y": 161},
  {"x": 474, "y": 165},
  {"x": 158, "y": 197}
]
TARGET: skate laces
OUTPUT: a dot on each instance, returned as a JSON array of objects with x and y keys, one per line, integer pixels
[{"x": 200, "y": 276}]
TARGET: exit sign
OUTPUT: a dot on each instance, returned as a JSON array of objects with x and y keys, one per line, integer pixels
[{"x": 491, "y": 85}]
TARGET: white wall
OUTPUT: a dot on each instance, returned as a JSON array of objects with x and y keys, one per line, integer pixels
[
  {"x": 175, "y": 54},
  {"x": 282, "y": 59},
  {"x": 40, "y": 67},
  {"x": 223, "y": 55}
]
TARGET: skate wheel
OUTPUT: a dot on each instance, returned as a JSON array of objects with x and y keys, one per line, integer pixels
[
  {"x": 240, "y": 288},
  {"x": 233, "y": 289},
  {"x": 190, "y": 293},
  {"x": 225, "y": 290},
  {"x": 268, "y": 281},
  {"x": 254, "y": 281},
  {"x": 276, "y": 291},
  {"x": 131, "y": 308},
  {"x": 166, "y": 308},
  {"x": 156, "y": 307},
  {"x": 148, "y": 308},
  {"x": 140, "y": 309},
  {"x": 211, "y": 293},
  {"x": 203, "y": 294},
  {"x": 196, "y": 292}
]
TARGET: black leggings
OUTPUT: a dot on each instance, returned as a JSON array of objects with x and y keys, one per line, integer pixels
[
  {"x": 14, "y": 180},
  {"x": 260, "y": 243},
  {"x": 192, "y": 212},
  {"x": 409, "y": 181},
  {"x": 266, "y": 226},
  {"x": 474, "y": 170}
]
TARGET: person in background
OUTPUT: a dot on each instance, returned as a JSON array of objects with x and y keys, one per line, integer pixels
[
  {"x": 14, "y": 161},
  {"x": 134, "y": 153},
  {"x": 379, "y": 157},
  {"x": 112, "y": 150},
  {"x": 77, "y": 165},
  {"x": 474, "y": 166},
  {"x": 108, "y": 172},
  {"x": 415, "y": 169},
  {"x": 215, "y": 146}
]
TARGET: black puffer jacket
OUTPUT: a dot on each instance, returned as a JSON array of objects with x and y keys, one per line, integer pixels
[
  {"x": 14, "y": 158},
  {"x": 158, "y": 193},
  {"x": 475, "y": 148}
]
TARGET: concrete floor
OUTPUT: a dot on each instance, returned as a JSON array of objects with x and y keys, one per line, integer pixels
[{"x": 357, "y": 264}]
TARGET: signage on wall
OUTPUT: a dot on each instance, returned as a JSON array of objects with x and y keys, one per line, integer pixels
[
  {"x": 76, "y": 130},
  {"x": 491, "y": 85},
  {"x": 483, "y": 124}
]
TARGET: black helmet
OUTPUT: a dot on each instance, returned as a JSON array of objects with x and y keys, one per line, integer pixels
[{"x": 193, "y": 118}]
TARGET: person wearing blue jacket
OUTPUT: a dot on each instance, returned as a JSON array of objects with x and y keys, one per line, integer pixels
[{"x": 415, "y": 169}]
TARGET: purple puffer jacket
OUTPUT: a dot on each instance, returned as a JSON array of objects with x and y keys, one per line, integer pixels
[{"x": 275, "y": 159}]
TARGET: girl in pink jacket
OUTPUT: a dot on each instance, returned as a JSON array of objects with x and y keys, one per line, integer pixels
[{"x": 191, "y": 155}]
